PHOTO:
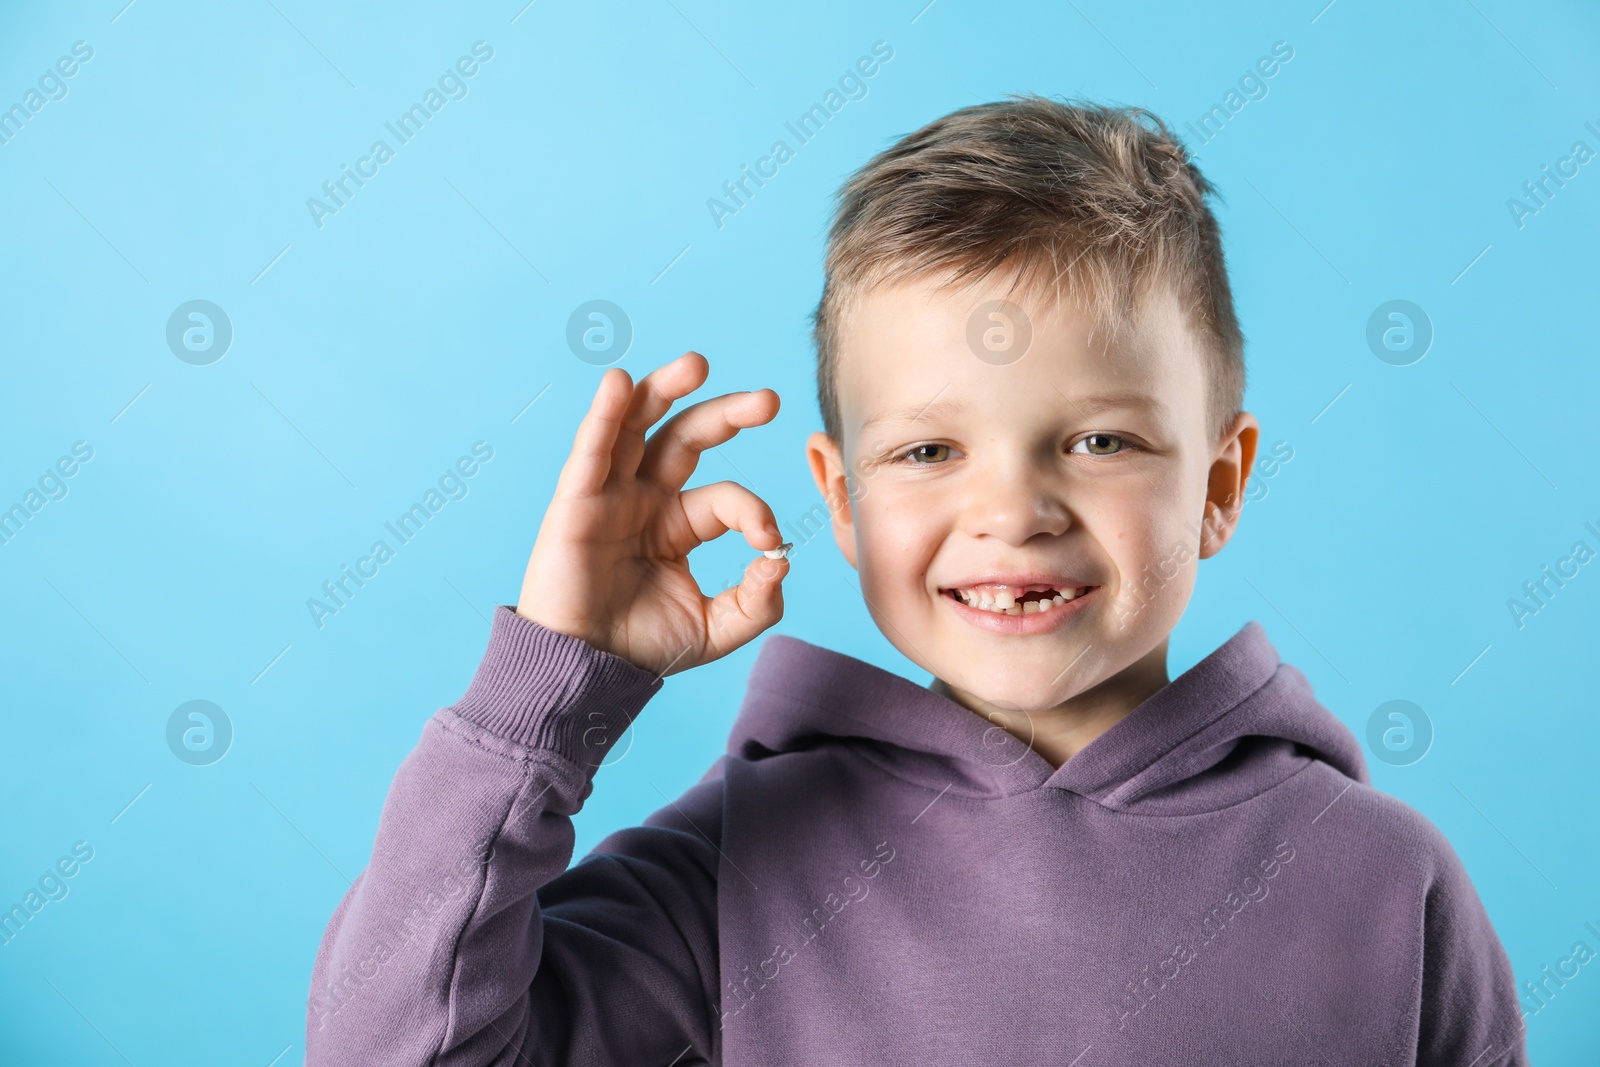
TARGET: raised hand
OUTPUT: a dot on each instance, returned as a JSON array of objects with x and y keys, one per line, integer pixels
[{"x": 610, "y": 562}]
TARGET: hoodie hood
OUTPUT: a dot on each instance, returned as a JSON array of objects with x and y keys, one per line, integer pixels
[{"x": 1232, "y": 726}]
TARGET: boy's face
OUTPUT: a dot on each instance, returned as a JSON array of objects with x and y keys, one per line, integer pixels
[{"x": 1066, "y": 465}]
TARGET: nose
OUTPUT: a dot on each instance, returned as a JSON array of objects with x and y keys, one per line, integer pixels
[{"x": 1015, "y": 498}]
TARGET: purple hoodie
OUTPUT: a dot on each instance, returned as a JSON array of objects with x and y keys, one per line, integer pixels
[{"x": 873, "y": 874}]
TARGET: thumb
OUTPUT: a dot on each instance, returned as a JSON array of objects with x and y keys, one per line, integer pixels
[{"x": 738, "y": 614}]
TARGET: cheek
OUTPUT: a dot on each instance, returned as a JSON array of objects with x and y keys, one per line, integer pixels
[
  {"x": 1147, "y": 534},
  {"x": 1173, "y": 552},
  {"x": 1143, "y": 515},
  {"x": 1135, "y": 521},
  {"x": 896, "y": 539}
]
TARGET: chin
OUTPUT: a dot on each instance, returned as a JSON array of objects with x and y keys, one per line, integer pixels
[{"x": 1009, "y": 691}]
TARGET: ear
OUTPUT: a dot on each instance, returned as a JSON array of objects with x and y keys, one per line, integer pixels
[
  {"x": 1225, "y": 483},
  {"x": 828, "y": 471}
]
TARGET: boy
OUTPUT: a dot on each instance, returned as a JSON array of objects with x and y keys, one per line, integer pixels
[{"x": 1030, "y": 376}]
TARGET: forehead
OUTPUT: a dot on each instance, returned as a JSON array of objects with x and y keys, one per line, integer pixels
[{"x": 994, "y": 352}]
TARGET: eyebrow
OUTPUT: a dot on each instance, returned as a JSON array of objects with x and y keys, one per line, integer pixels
[
  {"x": 1092, "y": 404},
  {"x": 932, "y": 409}
]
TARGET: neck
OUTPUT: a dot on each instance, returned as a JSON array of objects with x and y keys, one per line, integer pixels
[{"x": 1061, "y": 732}]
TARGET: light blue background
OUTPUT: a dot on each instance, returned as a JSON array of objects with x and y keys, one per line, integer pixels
[{"x": 370, "y": 353}]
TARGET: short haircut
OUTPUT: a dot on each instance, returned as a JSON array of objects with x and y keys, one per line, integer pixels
[{"x": 1087, "y": 202}]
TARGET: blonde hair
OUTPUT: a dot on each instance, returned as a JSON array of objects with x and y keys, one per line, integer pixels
[{"x": 1087, "y": 202}]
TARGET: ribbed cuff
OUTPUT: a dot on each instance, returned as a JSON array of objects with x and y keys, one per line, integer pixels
[{"x": 548, "y": 690}]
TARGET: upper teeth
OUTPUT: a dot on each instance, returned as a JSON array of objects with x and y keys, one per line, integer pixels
[{"x": 1004, "y": 601}]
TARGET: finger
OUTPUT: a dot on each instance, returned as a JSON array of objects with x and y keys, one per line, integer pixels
[
  {"x": 713, "y": 510},
  {"x": 652, "y": 398},
  {"x": 586, "y": 468},
  {"x": 673, "y": 451},
  {"x": 735, "y": 616}
]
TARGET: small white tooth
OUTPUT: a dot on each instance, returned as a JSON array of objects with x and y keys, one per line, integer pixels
[{"x": 1005, "y": 602}]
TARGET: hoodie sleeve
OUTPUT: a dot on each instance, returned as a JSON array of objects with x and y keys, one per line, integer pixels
[
  {"x": 467, "y": 941},
  {"x": 1470, "y": 1011}
]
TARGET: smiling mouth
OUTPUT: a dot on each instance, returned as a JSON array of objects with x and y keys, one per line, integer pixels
[{"x": 1017, "y": 600}]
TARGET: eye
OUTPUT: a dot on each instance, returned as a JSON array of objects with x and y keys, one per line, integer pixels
[
  {"x": 922, "y": 458},
  {"x": 1100, "y": 444}
]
